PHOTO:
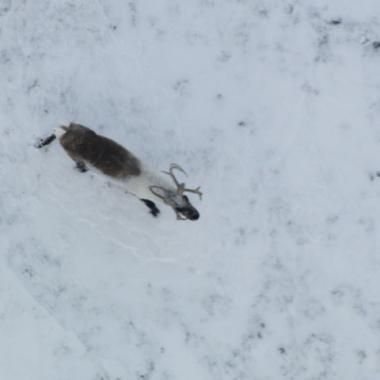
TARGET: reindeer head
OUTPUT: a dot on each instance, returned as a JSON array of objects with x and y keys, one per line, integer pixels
[{"x": 175, "y": 198}]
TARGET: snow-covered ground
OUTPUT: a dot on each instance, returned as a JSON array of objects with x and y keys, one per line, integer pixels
[{"x": 274, "y": 108}]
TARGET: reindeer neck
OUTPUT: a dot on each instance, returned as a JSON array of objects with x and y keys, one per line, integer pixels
[{"x": 139, "y": 185}]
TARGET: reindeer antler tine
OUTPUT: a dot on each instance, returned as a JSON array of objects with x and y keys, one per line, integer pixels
[
  {"x": 172, "y": 176},
  {"x": 197, "y": 190},
  {"x": 176, "y": 166}
]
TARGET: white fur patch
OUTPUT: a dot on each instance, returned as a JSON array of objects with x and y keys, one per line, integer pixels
[
  {"x": 59, "y": 131},
  {"x": 139, "y": 185}
]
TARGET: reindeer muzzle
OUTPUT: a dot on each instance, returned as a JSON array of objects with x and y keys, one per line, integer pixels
[{"x": 189, "y": 213}]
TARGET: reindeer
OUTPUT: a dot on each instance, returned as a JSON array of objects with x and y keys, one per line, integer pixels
[{"x": 90, "y": 150}]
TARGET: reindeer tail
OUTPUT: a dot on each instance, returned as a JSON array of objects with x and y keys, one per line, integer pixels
[{"x": 60, "y": 131}]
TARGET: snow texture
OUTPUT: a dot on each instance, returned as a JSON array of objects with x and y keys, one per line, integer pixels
[{"x": 273, "y": 107}]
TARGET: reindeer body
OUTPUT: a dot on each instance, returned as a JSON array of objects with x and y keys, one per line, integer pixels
[
  {"x": 88, "y": 149},
  {"x": 83, "y": 145}
]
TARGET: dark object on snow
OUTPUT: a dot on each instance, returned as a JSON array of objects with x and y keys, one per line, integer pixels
[
  {"x": 335, "y": 21},
  {"x": 376, "y": 45},
  {"x": 152, "y": 207},
  {"x": 46, "y": 141},
  {"x": 373, "y": 176}
]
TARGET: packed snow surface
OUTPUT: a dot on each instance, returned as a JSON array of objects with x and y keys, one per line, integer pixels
[{"x": 273, "y": 107}]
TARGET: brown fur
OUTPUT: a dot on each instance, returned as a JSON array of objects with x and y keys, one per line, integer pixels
[{"x": 85, "y": 146}]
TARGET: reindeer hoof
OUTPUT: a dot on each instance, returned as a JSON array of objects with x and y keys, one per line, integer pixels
[
  {"x": 155, "y": 212},
  {"x": 152, "y": 207},
  {"x": 81, "y": 166}
]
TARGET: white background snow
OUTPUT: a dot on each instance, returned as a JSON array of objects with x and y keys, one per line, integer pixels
[{"x": 274, "y": 108}]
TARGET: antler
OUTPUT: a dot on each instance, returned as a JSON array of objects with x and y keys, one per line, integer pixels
[
  {"x": 173, "y": 177},
  {"x": 181, "y": 186},
  {"x": 197, "y": 190}
]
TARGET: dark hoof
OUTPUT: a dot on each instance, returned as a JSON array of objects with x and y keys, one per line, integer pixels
[
  {"x": 152, "y": 207},
  {"x": 80, "y": 166},
  {"x": 155, "y": 212}
]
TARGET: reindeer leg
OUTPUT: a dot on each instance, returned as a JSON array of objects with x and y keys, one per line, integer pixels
[
  {"x": 45, "y": 141},
  {"x": 152, "y": 207},
  {"x": 81, "y": 166}
]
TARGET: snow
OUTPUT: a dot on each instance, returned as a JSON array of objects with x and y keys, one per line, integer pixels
[{"x": 272, "y": 107}]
